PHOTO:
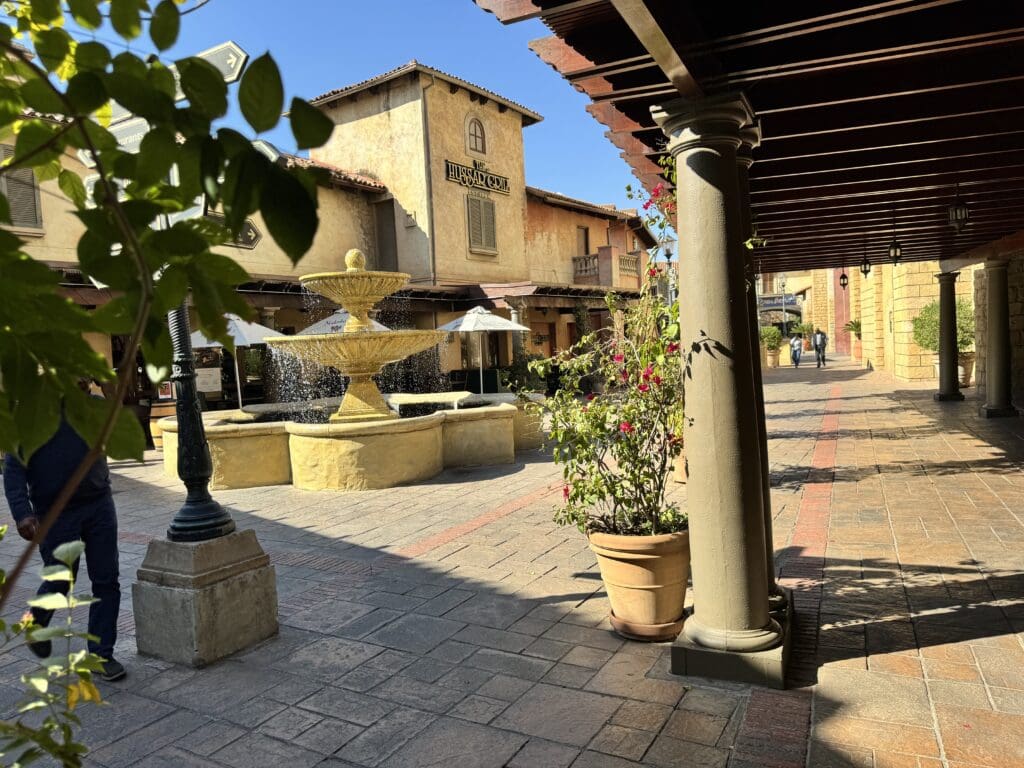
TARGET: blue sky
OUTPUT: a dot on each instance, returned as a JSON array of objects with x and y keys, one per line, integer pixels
[{"x": 325, "y": 44}]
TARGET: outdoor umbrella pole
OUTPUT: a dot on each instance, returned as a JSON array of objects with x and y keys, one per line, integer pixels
[
  {"x": 238, "y": 378},
  {"x": 481, "y": 363}
]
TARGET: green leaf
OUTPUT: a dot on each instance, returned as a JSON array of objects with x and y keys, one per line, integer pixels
[
  {"x": 48, "y": 633},
  {"x": 127, "y": 440},
  {"x": 244, "y": 180},
  {"x": 57, "y": 573},
  {"x": 157, "y": 154},
  {"x": 86, "y": 92},
  {"x": 126, "y": 18},
  {"x": 69, "y": 552},
  {"x": 51, "y": 602},
  {"x": 39, "y": 96},
  {"x": 261, "y": 94},
  {"x": 139, "y": 97},
  {"x": 203, "y": 86},
  {"x": 45, "y": 11},
  {"x": 37, "y": 413},
  {"x": 164, "y": 26},
  {"x": 289, "y": 212},
  {"x": 91, "y": 56},
  {"x": 86, "y": 13},
  {"x": 52, "y": 46},
  {"x": 37, "y": 683},
  {"x": 311, "y": 127},
  {"x": 71, "y": 185},
  {"x": 33, "y": 137}
]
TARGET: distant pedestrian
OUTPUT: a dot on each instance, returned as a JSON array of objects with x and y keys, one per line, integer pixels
[
  {"x": 819, "y": 341},
  {"x": 796, "y": 348},
  {"x": 89, "y": 517}
]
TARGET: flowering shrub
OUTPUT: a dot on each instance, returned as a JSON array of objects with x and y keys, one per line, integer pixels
[{"x": 617, "y": 448}]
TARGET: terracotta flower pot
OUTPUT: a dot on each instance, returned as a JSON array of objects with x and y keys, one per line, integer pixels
[
  {"x": 645, "y": 577},
  {"x": 772, "y": 356}
]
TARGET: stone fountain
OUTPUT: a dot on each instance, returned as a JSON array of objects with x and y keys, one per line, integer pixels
[{"x": 359, "y": 352}]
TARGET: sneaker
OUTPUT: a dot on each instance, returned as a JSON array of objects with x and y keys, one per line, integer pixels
[
  {"x": 43, "y": 649},
  {"x": 112, "y": 670}
]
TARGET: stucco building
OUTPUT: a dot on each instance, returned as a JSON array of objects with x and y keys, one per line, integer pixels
[{"x": 426, "y": 176}]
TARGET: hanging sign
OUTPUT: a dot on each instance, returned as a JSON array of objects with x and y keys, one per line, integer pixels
[{"x": 476, "y": 176}]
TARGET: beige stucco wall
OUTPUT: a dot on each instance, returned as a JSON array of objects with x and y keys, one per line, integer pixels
[
  {"x": 382, "y": 135},
  {"x": 346, "y": 221},
  {"x": 57, "y": 241},
  {"x": 551, "y": 239},
  {"x": 447, "y": 118}
]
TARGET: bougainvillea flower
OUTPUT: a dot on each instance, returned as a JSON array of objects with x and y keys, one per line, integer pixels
[
  {"x": 590, "y": 396},
  {"x": 656, "y": 380},
  {"x": 643, "y": 387},
  {"x": 626, "y": 428},
  {"x": 648, "y": 372},
  {"x": 647, "y": 204},
  {"x": 672, "y": 348},
  {"x": 625, "y": 375},
  {"x": 618, "y": 358},
  {"x": 652, "y": 272}
]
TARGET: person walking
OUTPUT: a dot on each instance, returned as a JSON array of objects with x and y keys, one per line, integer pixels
[
  {"x": 796, "y": 348},
  {"x": 89, "y": 517},
  {"x": 819, "y": 341}
]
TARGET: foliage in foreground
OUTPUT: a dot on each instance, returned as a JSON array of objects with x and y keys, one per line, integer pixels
[
  {"x": 53, "y": 690},
  {"x": 617, "y": 447}
]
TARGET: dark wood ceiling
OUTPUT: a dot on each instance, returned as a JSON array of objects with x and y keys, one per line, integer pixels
[{"x": 871, "y": 114}]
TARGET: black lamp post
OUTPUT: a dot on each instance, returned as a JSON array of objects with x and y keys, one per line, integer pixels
[{"x": 200, "y": 517}]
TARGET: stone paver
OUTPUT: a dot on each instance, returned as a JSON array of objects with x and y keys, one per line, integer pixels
[{"x": 454, "y": 624}]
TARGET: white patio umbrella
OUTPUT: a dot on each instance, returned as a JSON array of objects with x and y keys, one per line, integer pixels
[
  {"x": 244, "y": 334},
  {"x": 335, "y": 323},
  {"x": 479, "y": 320}
]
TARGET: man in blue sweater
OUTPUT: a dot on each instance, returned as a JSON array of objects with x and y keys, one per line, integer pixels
[{"x": 89, "y": 517}]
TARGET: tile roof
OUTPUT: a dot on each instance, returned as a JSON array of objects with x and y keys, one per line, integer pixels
[
  {"x": 597, "y": 209},
  {"x": 338, "y": 175},
  {"x": 529, "y": 116}
]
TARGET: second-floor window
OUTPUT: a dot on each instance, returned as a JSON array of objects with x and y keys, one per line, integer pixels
[
  {"x": 22, "y": 193},
  {"x": 477, "y": 138},
  {"x": 483, "y": 237},
  {"x": 582, "y": 241}
]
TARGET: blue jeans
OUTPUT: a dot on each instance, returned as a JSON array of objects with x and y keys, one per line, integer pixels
[
  {"x": 95, "y": 523},
  {"x": 795, "y": 354}
]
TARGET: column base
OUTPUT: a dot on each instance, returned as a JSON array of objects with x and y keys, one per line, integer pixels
[
  {"x": 764, "y": 667},
  {"x": 949, "y": 397},
  {"x": 197, "y": 602},
  {"x": 993, "y": 412}
]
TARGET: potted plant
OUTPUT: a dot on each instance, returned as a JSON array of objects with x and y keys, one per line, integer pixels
[
  {"x": 926, "y": 336},
  {"x": 771, "y": 337},
  {"x": 805, "y": 330},
  {"x": 616, "y": 451},
  {"x": 854, "y": 327}
]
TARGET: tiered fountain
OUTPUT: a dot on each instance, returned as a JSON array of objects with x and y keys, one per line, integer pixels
[
  {"x": 364, "y": 444},
  {"x": 359, "y": 352}
]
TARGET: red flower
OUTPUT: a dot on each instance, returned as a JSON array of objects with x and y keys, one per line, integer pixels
[
  {"x": 647, "y": 372},
  {"x": 590, "y": 396},
  {"x": 647, "y": 204},
  {"x": 652, "y": 272},
  {"x": 672, "y": 348},
  {"x": 656, "y": 380},
  {"x": 643, "y": 387},
  {"x": 565, "y": 492},
  {"x": 626, "y": 428},
  {"x": 618, "y": 358},
  {"x": 625, "y": 375},
  {"x": 658, "y": 189}
]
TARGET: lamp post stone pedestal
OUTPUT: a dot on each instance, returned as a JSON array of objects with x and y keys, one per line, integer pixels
[{"x": 207, "y": 590}]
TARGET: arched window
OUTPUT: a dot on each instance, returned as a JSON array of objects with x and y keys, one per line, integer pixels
[{"x": 477, "y": 140}]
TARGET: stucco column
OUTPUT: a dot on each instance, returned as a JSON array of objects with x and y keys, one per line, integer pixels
[
  {"x": 751, "y": 137},
  {"x": 997, "y": 353},
  {"x": 517, "y": 336},
  {"x": 949, "y": 378},
  {"x": 267, "y": 317},
  {"x": 724, "y": 492}
]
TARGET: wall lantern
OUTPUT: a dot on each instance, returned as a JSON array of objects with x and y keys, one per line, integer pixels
[
  {"x": 895, "y": 249},
  {"x": 843, "y": 279},
  {"x": 959, "y": 213},
  {"x": 539, "y": 339}
]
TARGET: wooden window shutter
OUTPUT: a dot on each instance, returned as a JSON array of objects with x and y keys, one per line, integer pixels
[
  {"x": 22, "y": 193},
  {"x": 476, "y": 225},
  {"x": 490, "y": 236}
]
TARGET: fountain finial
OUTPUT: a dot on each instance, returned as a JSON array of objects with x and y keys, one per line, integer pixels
[{"x": 355, "y": 260}]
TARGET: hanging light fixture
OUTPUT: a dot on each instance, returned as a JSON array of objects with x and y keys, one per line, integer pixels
[
  {"x": 755, "y": 240},
  {"x": 895, "y": 249},
  {"x": 843, "y": 279},
  {"x": 959, "y": 213},
  {"x": 865, "y": 265}
]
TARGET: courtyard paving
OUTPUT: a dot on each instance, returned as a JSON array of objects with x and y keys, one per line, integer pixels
[{"x": 454, "y": 624}]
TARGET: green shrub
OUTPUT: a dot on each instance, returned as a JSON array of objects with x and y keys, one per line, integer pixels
[
  {"x": 771, "y": 337},
  {"x": 926, "y": 326}
]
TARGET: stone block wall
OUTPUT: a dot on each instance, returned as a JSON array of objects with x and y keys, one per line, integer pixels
[
  {"x": 1015, "y": 289},
  {"x": 914, "y": 287}
]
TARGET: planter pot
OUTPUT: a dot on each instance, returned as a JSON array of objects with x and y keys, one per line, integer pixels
[
  {"x": 858, "y": 349},
  {"x": 772, "y": 356},
  {"x": 645, "y": 577},
  {"x": 965, "y": 367},
  {"x": 807, "y": 345}
]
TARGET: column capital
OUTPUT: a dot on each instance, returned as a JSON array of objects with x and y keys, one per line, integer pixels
[
  {"x": 995, "y": 264},
  {"x": 714, "y": 120},
  {"x": 750, "y": 137},
  {"x": 947, "y": 276}
]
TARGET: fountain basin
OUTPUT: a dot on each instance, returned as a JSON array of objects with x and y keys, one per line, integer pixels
[
  {"x": 245, "y": 454},
  {"x": 475, "y": 437},
  {"x": 357, "y": 457}
]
